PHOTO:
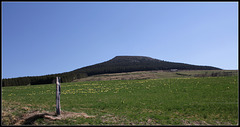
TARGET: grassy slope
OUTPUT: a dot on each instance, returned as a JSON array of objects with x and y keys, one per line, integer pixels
[
  {"x": 212, "y": 100},
  {"x": 154, "y": 75}
]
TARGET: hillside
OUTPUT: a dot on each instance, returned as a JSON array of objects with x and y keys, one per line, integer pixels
[
  {"x": 137, "y": 63},
  {"x": 158, "y": 74},
  {"x": 118, "y": 64}
]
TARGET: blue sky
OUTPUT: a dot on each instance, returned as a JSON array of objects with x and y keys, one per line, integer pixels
[{"x": 42, "y": 38}]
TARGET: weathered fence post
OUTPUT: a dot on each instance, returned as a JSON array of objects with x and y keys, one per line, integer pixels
[{"x": 58, "y": 90}]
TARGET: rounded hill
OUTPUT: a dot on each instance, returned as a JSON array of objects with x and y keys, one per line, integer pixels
[{"x": 120, "y": 64}]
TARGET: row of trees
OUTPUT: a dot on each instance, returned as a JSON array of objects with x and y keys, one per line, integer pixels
[
  {"x": 47, "y": 79},
  {"x": 216, "y": 74}
]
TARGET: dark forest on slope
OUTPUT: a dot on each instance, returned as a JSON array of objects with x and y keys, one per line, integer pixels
[{"x": 116, "y": 65}]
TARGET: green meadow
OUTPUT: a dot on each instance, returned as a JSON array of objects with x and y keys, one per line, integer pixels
[{"x": 175, "y": 101}]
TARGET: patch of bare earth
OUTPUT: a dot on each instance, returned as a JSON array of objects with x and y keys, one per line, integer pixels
[
  {"x": 187, "y": 122},
  {"x": 111, "y": 119},
  {"x": 30, "y": 118}
]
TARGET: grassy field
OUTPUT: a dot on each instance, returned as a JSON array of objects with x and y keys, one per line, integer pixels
[{"x": 175, "y": 101}]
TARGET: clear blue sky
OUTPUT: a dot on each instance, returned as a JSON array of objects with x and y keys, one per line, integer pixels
[{"x": 42, "y": 38}]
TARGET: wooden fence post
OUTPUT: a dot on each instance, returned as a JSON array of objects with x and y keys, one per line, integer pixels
[{"x": 58, "y": 90}]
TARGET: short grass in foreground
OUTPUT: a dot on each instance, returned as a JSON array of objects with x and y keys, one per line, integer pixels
[{"x": 183, "y": 101}]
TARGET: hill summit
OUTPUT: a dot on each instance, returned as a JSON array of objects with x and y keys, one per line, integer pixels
[{"x": 132, "y": 59}]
